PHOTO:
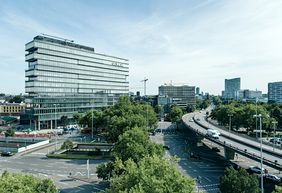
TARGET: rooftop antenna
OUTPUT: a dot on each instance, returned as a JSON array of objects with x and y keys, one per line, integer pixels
[
  {"x": 144, "y": 80},
  {"x": 64, "y": 39}
]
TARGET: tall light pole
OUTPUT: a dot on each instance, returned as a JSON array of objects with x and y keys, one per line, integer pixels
[
  {"x": 230, "y": 115},
  {"x": 56, "y": 122},
  {"x": 256, "y": 117},
  {"x": 92, "y": 122},
  {"x": 261, "y": 172},
  {"x": 274, "y": 127}
]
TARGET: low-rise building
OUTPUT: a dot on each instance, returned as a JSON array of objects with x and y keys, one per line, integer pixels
[{"x": 13, "y": 109}]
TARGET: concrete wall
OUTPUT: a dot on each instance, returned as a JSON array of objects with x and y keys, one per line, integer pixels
[
  {"x": 21, "y": 149},
  {"x": 33, "y": 145}
]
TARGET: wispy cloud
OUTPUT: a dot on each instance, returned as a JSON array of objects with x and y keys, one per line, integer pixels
[{"x": 195, "y": 42}]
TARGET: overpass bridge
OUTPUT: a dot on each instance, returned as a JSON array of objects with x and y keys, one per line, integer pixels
[{"x": 234, "y": 143}]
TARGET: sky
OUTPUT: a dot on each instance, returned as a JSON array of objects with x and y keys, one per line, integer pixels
[{"x": 198, "y": 43}]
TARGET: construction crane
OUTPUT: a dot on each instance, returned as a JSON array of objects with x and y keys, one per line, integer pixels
[{"x": 144, "y": 80}]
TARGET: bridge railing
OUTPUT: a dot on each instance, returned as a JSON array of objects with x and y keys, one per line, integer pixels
[{"x": 244, "y": 152}]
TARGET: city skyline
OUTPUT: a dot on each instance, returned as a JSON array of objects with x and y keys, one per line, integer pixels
[{"x": 196, "y": 43}]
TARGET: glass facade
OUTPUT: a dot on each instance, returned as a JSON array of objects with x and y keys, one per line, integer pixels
[
  {"x": 275, "y": 92},
  {"x": 232, "y": 86},
  {"x": 181, "y": 95},
  {"x": 64, "y": 78}
]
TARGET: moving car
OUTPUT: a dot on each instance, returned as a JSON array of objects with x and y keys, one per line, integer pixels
[
  {"x": 213, "y": 133},
  {"x": 6, "y": 153}
]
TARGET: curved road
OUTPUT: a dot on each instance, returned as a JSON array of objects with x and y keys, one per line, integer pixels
[{"x": 200, "y": 117}]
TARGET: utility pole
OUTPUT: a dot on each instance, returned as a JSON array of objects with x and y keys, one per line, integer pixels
[
  {"x": 274, "y": 127},
  {"x": 230, "y": 115},
  {"x": 144, "y": 80},
  {"x": 259, "y": 116}
]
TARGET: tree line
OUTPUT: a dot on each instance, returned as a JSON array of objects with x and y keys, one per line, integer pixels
[{"x": 242, "y": 115}]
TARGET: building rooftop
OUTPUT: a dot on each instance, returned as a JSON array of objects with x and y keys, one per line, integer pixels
[{"x": 62, "y": 41}]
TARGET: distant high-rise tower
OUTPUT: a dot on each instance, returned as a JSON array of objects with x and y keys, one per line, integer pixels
[
  {"x": 275, "y": 92},
  {"x": 197, "y": 91},
  {"x": 232, "y": 86}
]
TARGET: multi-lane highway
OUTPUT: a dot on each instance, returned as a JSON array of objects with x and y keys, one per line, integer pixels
[{"x": 197, "y": 122}]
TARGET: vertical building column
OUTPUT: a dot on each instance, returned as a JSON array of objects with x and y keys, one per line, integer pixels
[
  {"x": 38, "y": 125},
  {"x": 35, "y": 123},
  {"x": 51, "y": 124}
]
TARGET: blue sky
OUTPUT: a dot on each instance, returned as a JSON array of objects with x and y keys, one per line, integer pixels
[{"x": 199, "y": 43}]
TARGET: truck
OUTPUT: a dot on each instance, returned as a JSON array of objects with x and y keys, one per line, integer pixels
[{"x": 213, "y": 133}]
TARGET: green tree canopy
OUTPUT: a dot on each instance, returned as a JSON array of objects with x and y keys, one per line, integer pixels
[
  {"x": 9, "y": 133},
  {"x": 117, "y": 119},
  {"x": 135, "y": 144},
  {"x": 238, "y": 181},
  {"x": 242, "y": 115},
  {"x": 18, "y": 183},
  {"x": 152, "y": 174},
  {"x": 68, "y": 144},
  {"x": 176, "y": 114},
  {"x": 16, "y": 99},
  {"x": 278, "y": 189}
]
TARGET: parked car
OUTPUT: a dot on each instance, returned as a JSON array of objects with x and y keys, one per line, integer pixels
[
  {"x": 257, "y": 170},
  {"x": 232, "y": 164},
  {"x": 215, "y": 149},
  {"x": 6, "y": 153},
  {"x": 272, "y": 178}
]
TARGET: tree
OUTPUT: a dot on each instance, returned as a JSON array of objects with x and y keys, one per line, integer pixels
[
  {"x": 176, "y": 115},
  {"x": 78, "y": 118},
  {"x": 238, "y": 181},
  {"x": 152, "y": 174},
  {"x": 126, "y": 115},
  {"x": 278, "y": 189},
  {"x": 64, "y": 120},
  {"x": 16, "y": 99},
  {"x": 135, "y": 144},
  {"x": 68, "y": 144},
  {"x": 9, "y": 133},
  {"x": 18, "y": 183},
  {"x": 190, "y": 108}
]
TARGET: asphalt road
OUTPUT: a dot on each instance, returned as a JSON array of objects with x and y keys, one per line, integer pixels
[
  {"x": 208, "y": 169},
  {"x": 241, "y": 146},
  {"x": 58, "y": 170}
]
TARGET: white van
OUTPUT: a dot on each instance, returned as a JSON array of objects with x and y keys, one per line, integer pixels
[{"x": 213, "y": 133}]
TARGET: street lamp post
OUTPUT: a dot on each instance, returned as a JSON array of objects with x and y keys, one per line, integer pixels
[
  {"x": 274, "y": 127},
  {"x": 230, "y": 115},
  {"x": 92, "y": 134},
  {"x": 261, "y": 172},
  {"x": 56, "y": 123}
]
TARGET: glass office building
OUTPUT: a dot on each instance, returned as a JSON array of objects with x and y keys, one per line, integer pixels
[
  {"x": 232, "y": 86},
  {"x": 275, "y": 92},
  {"x": 64, "y": 78}
]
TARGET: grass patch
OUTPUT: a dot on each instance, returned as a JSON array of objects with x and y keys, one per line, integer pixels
[{"x": 75, "y": 156}]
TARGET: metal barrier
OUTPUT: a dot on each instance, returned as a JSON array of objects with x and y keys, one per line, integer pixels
[{"x": 244, "y": 152}]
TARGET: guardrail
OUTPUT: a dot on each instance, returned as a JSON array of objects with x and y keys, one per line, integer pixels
[{"x": 244, "y": 152}]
